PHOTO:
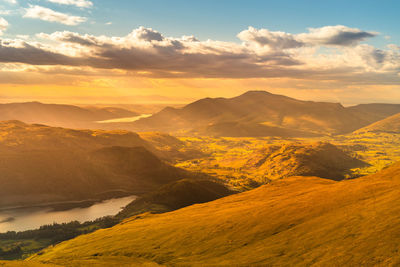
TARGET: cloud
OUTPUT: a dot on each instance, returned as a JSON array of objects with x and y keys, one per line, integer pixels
[
  {"x": 18, "y": 51},
  {"x": 274, "y": 40},
  {"x": 47, "y": 14},
  {"x": 146, "y": 52},
  {"x": 145, "y": 49},
  {"x": 327, "y": 36},
  {"x": 78, "y": 3},
  {"x": 71, "y": 37},
  {"x": 3, "y": 25},
  {"x": 23, "y": 36},
  {"x": 147, "y": 34},
  {"x": 11, "y": 1},
  {"x": 338, "y": 35}
]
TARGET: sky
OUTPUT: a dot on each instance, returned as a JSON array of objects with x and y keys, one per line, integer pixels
[{"x": 127, "y": 51}]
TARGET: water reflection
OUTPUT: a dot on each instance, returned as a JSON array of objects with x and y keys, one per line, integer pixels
[{"x": 33, "y": 218}]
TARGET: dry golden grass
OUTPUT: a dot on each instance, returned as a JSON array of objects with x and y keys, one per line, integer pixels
[
  {"x": 25, "y": 264},
  {"x": 298, "y": 221},
  {"x": 387, "y": 125},
  {"x": 227, "y": 158}
]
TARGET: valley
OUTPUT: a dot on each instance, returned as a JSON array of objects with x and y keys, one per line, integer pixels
[
  {"x": 91, "y": 196},
  {"x": 290, "y": 221},
  {"x": 228, "y": 157},
  {"x": 199, "y": 133}
]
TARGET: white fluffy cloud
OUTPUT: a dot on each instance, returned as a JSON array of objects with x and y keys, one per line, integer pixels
[
  {"x": 47, "y": 14},
  {"x": 11, "y": 1},
  {"x": 78, "y": 3},
  {"x": 263, "y": 54},
  {"x": 338, "y": 35},
  {"x": 3, "y": 25},
  {"x": 274, "y": 40}
]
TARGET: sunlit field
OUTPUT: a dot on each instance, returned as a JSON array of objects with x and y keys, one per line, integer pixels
[{"x": 227, "y": 157}]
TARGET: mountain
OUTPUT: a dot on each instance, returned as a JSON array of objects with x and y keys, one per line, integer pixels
[
  {"x": 376, "y": 111},
  {"x": 171, "y": 148},
  {"x": 42, "y": 164},
  {"x": 259, "y": 113},
  {"x": 299, "y": 221},
  {"x": 176, "y": 195},
  {"x": 60, "y": 115},
  {"x": 255, "y": 113},
  {"x": 387, "y": 125},
  {"x": 294, "y": 159}
]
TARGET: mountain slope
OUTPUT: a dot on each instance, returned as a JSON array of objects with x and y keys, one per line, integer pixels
[
  {"x": 41, "y": 164},
  {"x": 60, "y": 115},
  {"x": 375, "y": 111},
  {"x": 256, "y": 113},
  {"x": 176, "y": 195},
  {"x": 171, "y": 148},
  {"x": 317, "y": 159},
  {"x": 296, "y": 221},
  {"x": 387, "y": 125}
]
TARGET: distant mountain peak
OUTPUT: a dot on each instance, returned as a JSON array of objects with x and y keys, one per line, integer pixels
[{"x": 256, "y": 93}]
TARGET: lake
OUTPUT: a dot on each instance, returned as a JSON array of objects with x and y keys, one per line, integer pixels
[
  {"x": 127, "y": 119},
  {"x": 33, "y": 218}
]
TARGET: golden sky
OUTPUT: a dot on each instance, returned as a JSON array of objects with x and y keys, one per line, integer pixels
[{"x": 329, "y": 63}]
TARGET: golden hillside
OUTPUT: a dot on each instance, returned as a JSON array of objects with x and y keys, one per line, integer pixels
[
  {"x": 319, "y": 159},
  {"x": 25, "y": 264},
  {"x": 295, "y": 221},
  {"x": 260, "y": 113},
  {"x": 176, "y": 195},
  {"x": 387, "y": 125},
  {"x": 41, "y": 164}
]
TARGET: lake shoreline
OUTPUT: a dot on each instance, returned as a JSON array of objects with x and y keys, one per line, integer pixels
[
  {"x": 22, "y": 219},
  {"x": 72, "y": 204}
]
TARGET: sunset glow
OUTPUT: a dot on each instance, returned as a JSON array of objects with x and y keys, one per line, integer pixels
[{"x": 66, "y": 51}]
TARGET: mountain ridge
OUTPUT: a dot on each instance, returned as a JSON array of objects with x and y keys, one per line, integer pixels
[
  {"x": 260, "y": 113},
  {"x": 61, "y": 115}
]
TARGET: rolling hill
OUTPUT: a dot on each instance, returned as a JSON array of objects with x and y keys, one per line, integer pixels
[
  {"x": 61, "y": 115},
  {"x": 376, "y": 111},
  {"x": 171, "y": 148},
  {"x": 176, "y": 195},
  {"x": 296, "y": 221},
  {"x": 295, "y": 159},
  {"x": 259, "y": 113},
  {"x": 42, "y": 164},
  {"x": 387, "y": 125}
]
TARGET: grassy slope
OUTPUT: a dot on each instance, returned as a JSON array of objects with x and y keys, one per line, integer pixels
[
  {"x": 387, "y": 125},
  {"x": 296, "y": 221},
  {"x": 319, "y": 159},
  {"x": 245, "y": 162},
  {"x": 25, "y": 264},
  {"x": 169, "y": 147},
  {"x": 176, "y": 195},
  {"x": 47, "y": 164}
]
